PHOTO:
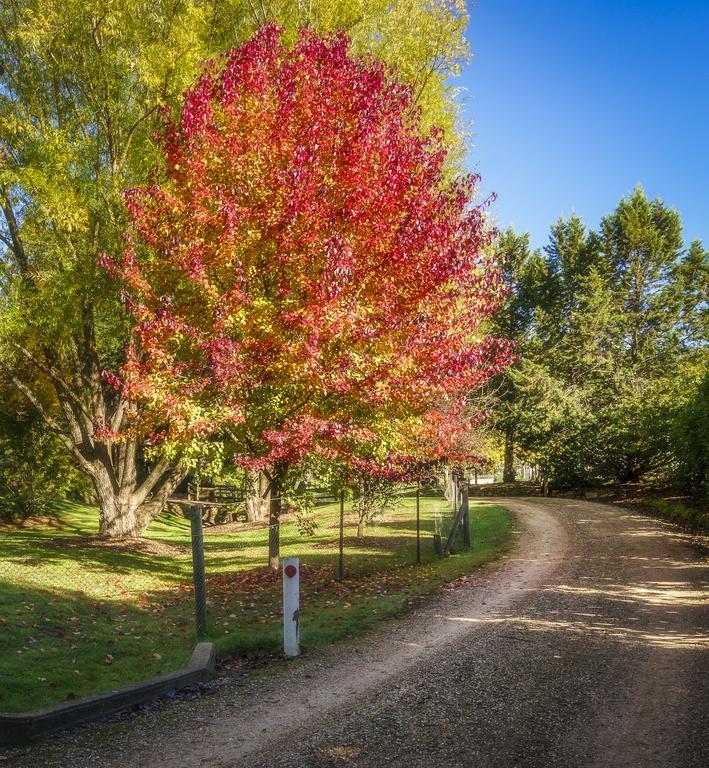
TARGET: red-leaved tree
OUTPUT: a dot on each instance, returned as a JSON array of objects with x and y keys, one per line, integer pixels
[{"x": 301, "y": 276}]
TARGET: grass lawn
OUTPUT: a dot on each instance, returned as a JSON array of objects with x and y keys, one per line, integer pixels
[{"x": 78, "y": 616}]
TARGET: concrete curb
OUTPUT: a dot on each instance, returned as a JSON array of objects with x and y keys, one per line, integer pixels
[{"x": 24, "y": 727}]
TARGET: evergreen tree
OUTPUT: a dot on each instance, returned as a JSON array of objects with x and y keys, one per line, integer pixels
[
  {"x": 688, "y": 292},
  {"x": 642, "y": 242},
  {"x": 523, "y": 277},
  {"x": 613, "y": 354}
]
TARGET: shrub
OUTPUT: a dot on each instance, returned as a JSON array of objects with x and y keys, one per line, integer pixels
[
  {"x": 678, "y": 512},
  {"x": 34, "y": 470}
]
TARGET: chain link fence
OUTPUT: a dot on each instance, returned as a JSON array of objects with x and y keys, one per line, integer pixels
[{"x": 79, "y": 614}]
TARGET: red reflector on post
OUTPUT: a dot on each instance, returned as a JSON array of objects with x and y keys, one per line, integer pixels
[{"x": 290, "y": 570}]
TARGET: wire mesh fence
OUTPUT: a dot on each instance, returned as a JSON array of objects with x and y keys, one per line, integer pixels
[{"x": 79, "y": 614}]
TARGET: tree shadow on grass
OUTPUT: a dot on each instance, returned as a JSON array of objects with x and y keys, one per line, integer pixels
[
  {"x": 115, "y": 569},
  {"x": 22, "y": 554},
  {"x": 62, "y": 644},
  {"x": 59, "y": 644}
]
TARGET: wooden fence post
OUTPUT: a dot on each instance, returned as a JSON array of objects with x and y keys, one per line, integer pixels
[
  {"x": 418, "y": 525},
  {"x": 457, "y": 520},
  {"x": 198, "y": 572},
  {"x": 342, "y": 535},
  {"x": 466, "y": 516}
]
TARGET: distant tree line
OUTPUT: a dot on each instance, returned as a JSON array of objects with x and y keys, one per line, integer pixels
[{"x": 611, "y": 381}]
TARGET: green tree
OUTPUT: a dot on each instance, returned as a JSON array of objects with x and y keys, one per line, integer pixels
[
  {"x": 617, "y": 333},
  {"x": 690, "y": 442},
  {"x": 689, "y": 294},
  {"x": 570, "y": 253},
  {"x": 525, "y": 279},
  {"x": 642, "y": 243},
  {"x": 34, "y": 467},
  {"x": 541, "y": 405},
  {"x": 82, "y": 86}
]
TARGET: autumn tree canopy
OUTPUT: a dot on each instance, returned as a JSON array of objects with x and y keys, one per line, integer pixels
[
  {"x": 82, "y": 86},
  {"x": 301, "y": 276}
]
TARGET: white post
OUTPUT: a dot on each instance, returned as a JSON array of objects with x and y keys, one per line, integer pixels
[{"x": 291, "y": 606}]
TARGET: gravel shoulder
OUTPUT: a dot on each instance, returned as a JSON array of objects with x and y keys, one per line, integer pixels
[{"x": 586, "y": 646}]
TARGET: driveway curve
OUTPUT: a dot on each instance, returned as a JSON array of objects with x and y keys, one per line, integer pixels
[{"x": 587, "y": 646}]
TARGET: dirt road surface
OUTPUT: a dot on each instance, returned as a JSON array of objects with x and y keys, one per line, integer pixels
[{"x": 587, "y": 646}]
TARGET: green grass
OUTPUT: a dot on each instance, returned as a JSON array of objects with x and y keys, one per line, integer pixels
[
  {"x": 78, "y": 616},
  {"x": 679, "y": 512}
]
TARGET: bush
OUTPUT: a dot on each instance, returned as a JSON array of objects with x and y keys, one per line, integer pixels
[
  {"x": 680, "y": 513},
  {"x": 34, "y": 470},
  {"x": 690, "y": 442}
]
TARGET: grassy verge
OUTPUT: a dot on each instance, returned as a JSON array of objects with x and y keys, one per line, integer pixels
[
  {"x": 679, "y": 512},
  {"x": 78, "y": 615}
]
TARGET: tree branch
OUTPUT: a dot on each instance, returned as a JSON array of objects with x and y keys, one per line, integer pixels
[
  {"x": 154, "y": 477},
  {"x": 49, "y": 420},
  {"x": 56, "y": 378},
  {"x": 17, "y": 246},
  {"x": 129, "y": 137}
]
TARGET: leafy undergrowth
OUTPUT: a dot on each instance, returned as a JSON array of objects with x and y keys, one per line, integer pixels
[
  {"x": 78, "y": 617},
  {"x": 679, "y": 512},
  {"x": 661, "y": 501}
]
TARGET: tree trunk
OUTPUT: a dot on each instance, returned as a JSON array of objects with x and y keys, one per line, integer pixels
[
  {"x": 632, "y": 471},
  {"x": 151, "y": 507},
  {"x": 123, "y": 510},
  {"x": 89, "y": 425},
  {"x": 275, "y": 506},
  {"x": 360, "y": 527},
  {"x": 508, "y": 473},
  {"x": 449, "y": 485},
  {"x": 258, "y": 495},
  {"x": 118, "y": 518}
]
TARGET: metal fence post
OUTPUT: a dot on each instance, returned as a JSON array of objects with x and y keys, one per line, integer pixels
[
  {"x": 342, "y": 535},
  {"x": 198, "y": 571},
  {"x": 418, "y": 525}
]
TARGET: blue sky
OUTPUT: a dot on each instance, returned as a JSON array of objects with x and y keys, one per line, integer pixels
[{"x": 571, "y": 104}]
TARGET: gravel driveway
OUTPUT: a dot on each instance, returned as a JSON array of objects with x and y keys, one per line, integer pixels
[{"x": 587, "y": 646}]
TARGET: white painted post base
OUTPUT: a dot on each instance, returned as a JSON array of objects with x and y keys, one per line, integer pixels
[{"x": 291, "y": 606}]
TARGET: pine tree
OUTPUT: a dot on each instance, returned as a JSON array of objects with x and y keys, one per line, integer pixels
[{"x": 524, "y": 274}]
